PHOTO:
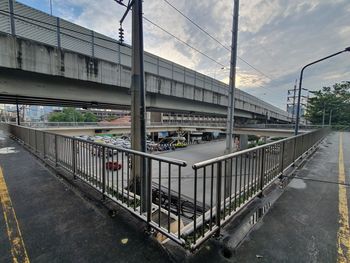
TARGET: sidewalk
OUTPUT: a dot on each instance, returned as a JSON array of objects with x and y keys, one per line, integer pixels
[{"x": 55, "y": 223}]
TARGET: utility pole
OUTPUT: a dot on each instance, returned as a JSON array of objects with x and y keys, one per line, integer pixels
[
  {"x": 293, "y": 97},
  {"x": 232, "y": 84},
  {"x": 138, "y": 97},
  {"x": 231, "y": 101}
]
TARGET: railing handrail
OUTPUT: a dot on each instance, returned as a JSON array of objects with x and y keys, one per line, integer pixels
[
  {"x": 231, "y": 155},
  {"x": 151, "y": 156}
]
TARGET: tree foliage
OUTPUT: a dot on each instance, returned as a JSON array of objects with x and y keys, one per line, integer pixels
[
  {"x": 72, "y": 115},
  {"x": 334, "y": 100}
]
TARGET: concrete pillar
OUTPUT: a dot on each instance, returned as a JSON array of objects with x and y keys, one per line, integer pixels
[{"x": 243, "y": 140}]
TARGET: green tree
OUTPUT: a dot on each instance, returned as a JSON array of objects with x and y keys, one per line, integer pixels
[
  {"x": 90, "y": 117},
  {"x": 67, "y": 115},
  {"x": 335, "y": 99}
]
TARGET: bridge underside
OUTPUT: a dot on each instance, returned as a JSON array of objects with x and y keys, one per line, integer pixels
[{"x": 39, "y": 89}]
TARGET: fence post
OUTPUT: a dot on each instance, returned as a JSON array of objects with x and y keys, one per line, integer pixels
[
  {"x": 28, "y": 138},
  {"x": 35, "y": 142},
  {"x": 149, "y": 192},
  {"x": 103, "y": 172},
  {"x": 294, "y": 149},
  {"x": 262, "y": 172},
  {"x": 282, "y": 161},
  {"x": 56, "y": 151},
  {"x": 74, "y": 154},
  {"x": 44, "y": 144},
  {"x": 218, "y": 197}
]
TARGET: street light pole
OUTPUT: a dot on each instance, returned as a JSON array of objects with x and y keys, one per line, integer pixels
[
  {"x": 301, "y": 81},
  {"x": 232, "y": 84}
]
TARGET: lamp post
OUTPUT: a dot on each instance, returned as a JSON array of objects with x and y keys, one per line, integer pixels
[{"x": 301, "y": 81}]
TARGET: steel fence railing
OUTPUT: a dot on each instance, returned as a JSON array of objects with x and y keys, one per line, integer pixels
[
  {"x": 44, "y": 125},
  {"x": 185, "y": 207},
  {"x": 108, "y": 170},
  {"x": 235, "y": 179}
]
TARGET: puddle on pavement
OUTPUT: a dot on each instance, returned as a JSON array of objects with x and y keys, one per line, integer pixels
[
  {"x": 297, "y": 184},
  {"x": 254, "y": 218},
  {"x": 8, "y": 150}
]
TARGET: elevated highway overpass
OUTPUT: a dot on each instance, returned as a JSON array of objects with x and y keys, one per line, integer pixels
[
  {"x": 46, "y": 60},
  {"x": 91, "y": 129}
]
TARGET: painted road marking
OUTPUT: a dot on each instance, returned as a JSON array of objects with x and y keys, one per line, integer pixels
[
  {"x": 344, "y": 231},
  {"x": 18, "y": 250}
]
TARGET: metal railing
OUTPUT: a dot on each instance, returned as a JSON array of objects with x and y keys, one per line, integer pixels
[
  {"x": 231, "y": 181},
  {"x": 194, "y": 123},
  {"x": 108, "y": 170},
  {"x": 279, "y": 126},
  {"x": 106, "y": 124},
  {"x": 183, "y": 204}
]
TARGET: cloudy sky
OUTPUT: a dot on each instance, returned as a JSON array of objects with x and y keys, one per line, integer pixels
[{"x": 276, "y": 37}]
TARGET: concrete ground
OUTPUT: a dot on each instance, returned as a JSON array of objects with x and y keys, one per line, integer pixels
[
  {"x": 308, "y": 223},
  {"x": 45, "y": 219}
]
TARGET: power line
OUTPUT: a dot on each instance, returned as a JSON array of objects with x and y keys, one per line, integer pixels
[
  {"x": 183, "y": 42},
  {"x": 213, "y": 38},
  {"x": 217, "y": 41},
  {"x": 197, "y": 50}
]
